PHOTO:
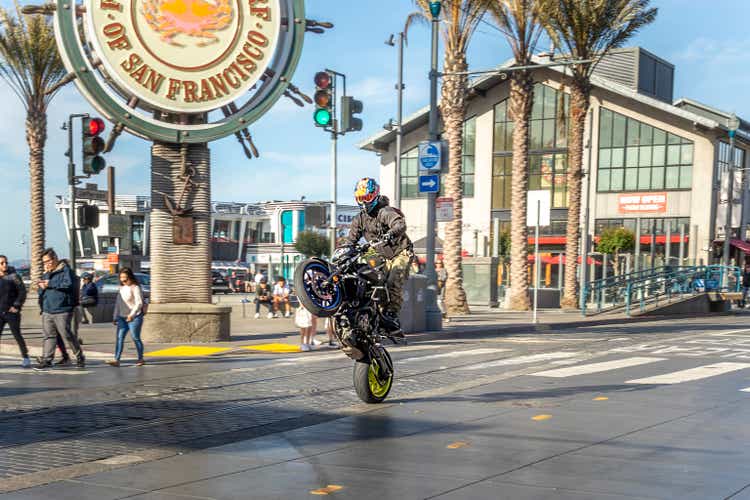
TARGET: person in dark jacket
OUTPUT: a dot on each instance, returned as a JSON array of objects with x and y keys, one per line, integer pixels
[
  {"x": 263, "y": 297},
  {"x": 88, "y": 301},
  {"x": 58, "y": 297},
  {"x": 745, "y": 284},
  {"x": 12, "y": 297},
  {"x": 378, "y": 222}
]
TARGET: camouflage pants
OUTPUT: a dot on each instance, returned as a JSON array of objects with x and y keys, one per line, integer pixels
[{"x": 398, "y": 272}]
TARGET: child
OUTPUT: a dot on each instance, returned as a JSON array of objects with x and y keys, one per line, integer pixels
[{"x": 308, "y": 325}]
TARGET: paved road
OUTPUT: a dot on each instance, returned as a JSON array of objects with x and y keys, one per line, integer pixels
[{"x": 647, "y": 410}]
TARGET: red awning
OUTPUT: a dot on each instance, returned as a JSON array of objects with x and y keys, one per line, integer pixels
[
  {"x": 546, "y": 259},
  {"x": 742, "y": 245}
]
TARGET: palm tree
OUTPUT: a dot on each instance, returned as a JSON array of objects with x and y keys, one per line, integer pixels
[
  {"x": 461, "y": 18},
  {"x": 517, "y": 19},
  {"x": 31, "y": 65},
  {"x": 586, "y": 30}
]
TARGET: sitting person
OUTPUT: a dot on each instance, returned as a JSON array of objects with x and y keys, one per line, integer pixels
[
  {"x": 281, "y": 296},
  {"x": 263, "y": 296}
]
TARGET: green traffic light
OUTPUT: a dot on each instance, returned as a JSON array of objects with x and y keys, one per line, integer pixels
[{"x": 322, "y": 117}]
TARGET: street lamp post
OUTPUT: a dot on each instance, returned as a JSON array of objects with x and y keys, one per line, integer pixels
[
  {"x": 733, "y": 125},
  {"x": 399, "y": 116},
  {"x": 433, "y": 316}
]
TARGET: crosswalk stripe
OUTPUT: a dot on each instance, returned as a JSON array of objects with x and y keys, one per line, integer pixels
[
  {"x": 4, "y": 382},
  {"x": 55, "y": 371},
  {"x": 595, "y": 367},
  {"x": 746, "y": 389},
  {"x": 455, "y": 354},
  {"x": 520, "y": 360},
  {"x": 691, "y": 374}
]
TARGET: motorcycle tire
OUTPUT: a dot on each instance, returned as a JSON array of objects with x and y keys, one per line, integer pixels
[
  {"x": 320, "y": 306},
  {"x": 369, "y": 389}
]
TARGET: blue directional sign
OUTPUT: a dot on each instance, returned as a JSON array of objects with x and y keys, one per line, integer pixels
[
  {"x": 430, "y": 155},
  {"x": 429, "y": 183}
]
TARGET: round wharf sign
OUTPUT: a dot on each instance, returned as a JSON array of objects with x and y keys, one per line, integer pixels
[
  {"x": 160, "y": 69},
  {"x": 184, "y": 56}
]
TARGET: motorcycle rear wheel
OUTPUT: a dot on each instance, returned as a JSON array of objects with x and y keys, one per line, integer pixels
[{"x": 368, "y": 385}]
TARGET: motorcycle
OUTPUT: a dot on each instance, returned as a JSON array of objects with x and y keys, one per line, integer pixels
[{"x": 350, "y": 291}]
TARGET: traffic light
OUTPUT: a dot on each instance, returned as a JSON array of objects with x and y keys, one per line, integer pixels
[
  {"x": 92, "y": 145},
  {"x": 350, "y": 107},
  {"x": 87, "y": 216},
  {"x": 324, "y": 85}
]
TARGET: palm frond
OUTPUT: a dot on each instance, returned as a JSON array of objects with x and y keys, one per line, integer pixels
[
  {"x": 29, "y": 61},
  {"x": 518, "y": 21},
  {"x": 590, "y": 29}
]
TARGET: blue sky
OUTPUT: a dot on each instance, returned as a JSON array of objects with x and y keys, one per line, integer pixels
[{"x": 707, "y": 40}]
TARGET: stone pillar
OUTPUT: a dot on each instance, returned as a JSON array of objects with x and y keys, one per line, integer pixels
[{"x": 180, "y": 308}]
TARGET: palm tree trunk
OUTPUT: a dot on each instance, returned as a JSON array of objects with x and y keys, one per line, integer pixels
[
  {"x": 579, "y": 105},
  {"x": 521, "y": 100},
  {"x": 181, "y": 273},
  {"x": 453, "y": 110},
  {"x": 36, "y": 137}
]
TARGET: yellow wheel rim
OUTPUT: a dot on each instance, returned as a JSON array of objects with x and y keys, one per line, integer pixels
[{"x": 378, "y": 389}]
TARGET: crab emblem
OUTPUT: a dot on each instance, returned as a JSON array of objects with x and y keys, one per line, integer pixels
[{"x": 195, "y": 18}]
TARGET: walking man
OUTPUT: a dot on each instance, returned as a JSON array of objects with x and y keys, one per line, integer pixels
[
  {"x": 58, "y": 297},
  {"x": 12, "y": 297}
]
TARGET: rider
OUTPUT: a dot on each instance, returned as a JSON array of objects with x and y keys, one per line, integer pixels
[{"x": 378, "y": 222}]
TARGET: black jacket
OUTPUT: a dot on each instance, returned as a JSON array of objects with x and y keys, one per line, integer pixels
[
  {"x": 12, "y": 291},
  {"x": 384, "y": 222},
  {"x": 61, "y": 295},
  {"x": 745, "y": 278}
]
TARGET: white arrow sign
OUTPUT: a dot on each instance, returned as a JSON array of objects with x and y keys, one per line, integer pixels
[{"x": 431, "y": 183}]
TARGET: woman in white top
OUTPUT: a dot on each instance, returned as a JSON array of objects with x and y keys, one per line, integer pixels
[{"x": 128, "y": 315}]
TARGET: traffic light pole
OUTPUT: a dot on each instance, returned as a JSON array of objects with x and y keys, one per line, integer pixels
[
  {"x": 433, "y": 315},
  {"x": 72, "y": 191},
  {"x": 334, "y": 183}
]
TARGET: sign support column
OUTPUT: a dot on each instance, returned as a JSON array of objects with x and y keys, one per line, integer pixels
[{"x": 433, "y": 316}]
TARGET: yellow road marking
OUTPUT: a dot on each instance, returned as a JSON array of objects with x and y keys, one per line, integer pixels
[
  {"x": 601, "y": 398},
  {"x": 187, "y": 351},
  {"x": 331, "y": 488},
  {"x": 541, "y": 417},
  {"x": 457, "y": 445},
  {"x": 278, "y": 348}
]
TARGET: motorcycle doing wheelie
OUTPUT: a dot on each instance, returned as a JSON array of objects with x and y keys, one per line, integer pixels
[{"x": 351, "y": 290}]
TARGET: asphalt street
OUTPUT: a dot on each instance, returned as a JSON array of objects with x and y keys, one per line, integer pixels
[{"x": 641, "y": 410}]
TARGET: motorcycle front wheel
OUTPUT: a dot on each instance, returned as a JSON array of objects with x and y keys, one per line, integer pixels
[
  {"x": 315, "y": 290},
  {"x": 368, "y": 383}
]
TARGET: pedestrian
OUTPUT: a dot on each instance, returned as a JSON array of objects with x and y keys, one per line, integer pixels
[
  {"x": 332, "y": 343},
  {"x": 442, "y": 276},
  {"x": 128, "y": 316},
  {"x": 745, "y": 284},
  {"x": 308, "y": 325},
  {"x": 281, "y": 296},
  {"x": 12, "y": 298},
  {"x": 263, "y": 297},
  {"x": 89, "y": 298},
  {"x": 58, "y": 297}
]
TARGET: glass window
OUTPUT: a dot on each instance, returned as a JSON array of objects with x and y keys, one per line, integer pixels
[
  {"x": 605, "y": 127},
  {"x": 410, "y": 166},
  {"x": 648, "y": 159},
  {"x": 548, "y": 142}
]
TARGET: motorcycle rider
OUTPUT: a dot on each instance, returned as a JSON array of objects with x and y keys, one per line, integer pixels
[{"x": 378, "y": 222}]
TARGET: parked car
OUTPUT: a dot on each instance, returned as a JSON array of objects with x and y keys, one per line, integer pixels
[
  {"x": 108, "y": 287},
  {"x": 219, "y": 283}
]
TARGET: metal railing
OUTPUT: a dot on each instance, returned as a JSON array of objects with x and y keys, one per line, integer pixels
[{"x": 649, "y": 287}]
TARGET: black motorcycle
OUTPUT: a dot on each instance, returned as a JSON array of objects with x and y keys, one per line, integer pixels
[{"x": 350, "y": 290}]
